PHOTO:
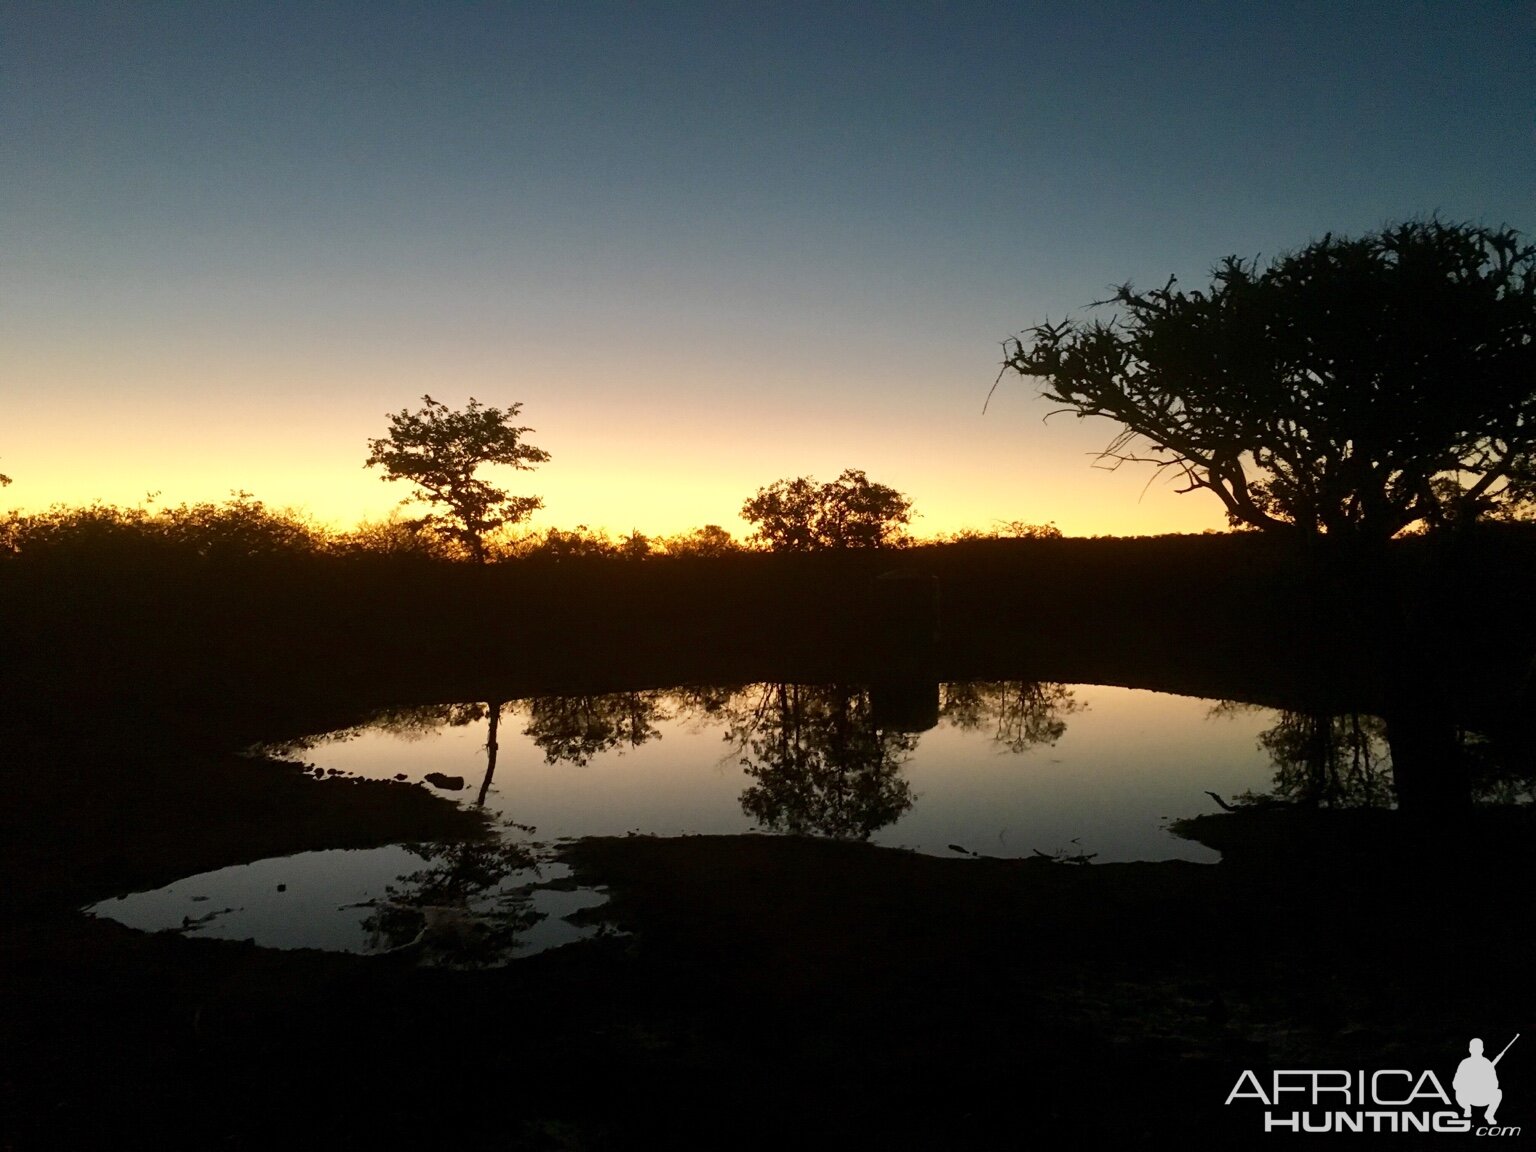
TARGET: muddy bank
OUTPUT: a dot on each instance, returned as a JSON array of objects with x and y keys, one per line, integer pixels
[
  {"x": 775, "y": 991},
  {"x": 84, "y": 824},
  {"x": 1299, "y": 953}
]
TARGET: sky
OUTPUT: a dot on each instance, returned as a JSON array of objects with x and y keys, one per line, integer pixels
[{"x": 706, "y": 246}]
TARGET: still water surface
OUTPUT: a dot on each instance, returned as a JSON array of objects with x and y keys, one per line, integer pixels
[{"x": 996, "y": 769}]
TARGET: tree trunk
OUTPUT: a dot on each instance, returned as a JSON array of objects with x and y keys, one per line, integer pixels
[
  {"x": 1394, "y": 604},
  {"x": 1428, "y": 768},
  {"x": 493, "y": 710}
]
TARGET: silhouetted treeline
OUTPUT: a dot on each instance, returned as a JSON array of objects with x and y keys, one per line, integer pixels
[
  {"x": 1236, "y": 616},
  {"x": 243, "y": 526}
]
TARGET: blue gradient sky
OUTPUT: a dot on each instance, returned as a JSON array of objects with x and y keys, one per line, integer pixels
[{"x": 705, "y": 245}]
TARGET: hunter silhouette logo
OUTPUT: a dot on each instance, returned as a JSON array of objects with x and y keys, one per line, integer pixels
[
  {"x": 1477, "y": 1083},
  {"x": 1300, "y": 1100}
]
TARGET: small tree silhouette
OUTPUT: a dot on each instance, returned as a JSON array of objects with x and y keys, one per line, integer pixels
[{"x": 439, "y": 450}]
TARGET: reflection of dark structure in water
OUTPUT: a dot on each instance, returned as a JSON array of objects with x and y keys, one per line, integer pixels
[
  {"x": 1022, "y": 713},
  {"x": 905, "y": 705},
  {"x": 576, "y": 728},
  {"x": 820, "y": 764}
]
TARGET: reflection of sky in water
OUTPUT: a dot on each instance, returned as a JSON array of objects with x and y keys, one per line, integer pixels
[
  {"x": 324, "y": 899},
  {"x": 1128, "y": 760}
]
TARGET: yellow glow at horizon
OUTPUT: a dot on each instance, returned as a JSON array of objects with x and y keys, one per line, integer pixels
[
  {"x": 616, "y": 500},
  {"x": 676, "y": 447}
]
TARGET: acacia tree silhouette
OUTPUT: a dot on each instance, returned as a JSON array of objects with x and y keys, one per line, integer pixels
[
  {"x": 439, "y": 450},
  {"x": 1342, "y": 394},
  {"x": 1356, "y": 387}
]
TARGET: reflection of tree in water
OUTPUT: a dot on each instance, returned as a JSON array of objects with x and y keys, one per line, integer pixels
[
  {"x": 451, "y": 910},
  {"x": 702, "y": 704},
  {"x": 1343, "y": 760},
  {"x": 820, "y": 764},
  {"x": 405, "y": 722},
  {"x": 1339, "y": 761},
  {"x": 1502, "y": 763},
  {"x": 577, "y": 728},
  {"x": 418, "y": 721},
  {"x": 1331, "y": 759},
  {"x": 1021, "y": 713}
]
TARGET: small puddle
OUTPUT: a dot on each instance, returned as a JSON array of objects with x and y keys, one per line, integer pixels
[{"x": 447, "y": 905}]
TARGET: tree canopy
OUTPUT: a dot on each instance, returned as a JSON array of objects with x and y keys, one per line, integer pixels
[
  {"x": 1356, "y": 387},
  {"x": 439, "y": 450},
  {"x": 852, "y": 511}
]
